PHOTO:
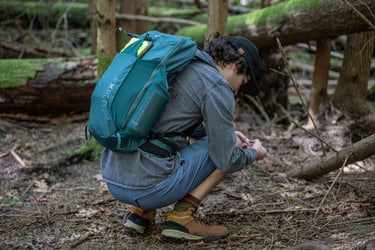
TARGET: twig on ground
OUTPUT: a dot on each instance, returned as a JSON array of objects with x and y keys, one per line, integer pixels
[
  {"x": 261, "y": 110},
  {"x": 74, "y": 188},
  {"x": 16, "y": 156},
  {"x": 81, "y": 240},
  {"x": 28, "y": 188},
  {"x": 4, "y": 154},
  {"x": 276, "y": 211},
  {"x": 333, "y": 183},
  {"x": 316, "y": 136}
]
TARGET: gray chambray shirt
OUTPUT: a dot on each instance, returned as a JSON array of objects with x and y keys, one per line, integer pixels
[{"x": 199, "y": 93}]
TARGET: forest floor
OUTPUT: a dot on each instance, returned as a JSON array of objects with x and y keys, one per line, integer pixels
[{"x": 51, "y": 200}]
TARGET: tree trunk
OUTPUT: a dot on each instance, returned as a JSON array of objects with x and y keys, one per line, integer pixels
[
  {"x": 132, "y": 7},
  {"x": 266, "y": 3},
  {"x": 217, "y": 20},
  {"x": 295, "y": 21},
  {"x": 357, "y": 152},
  {"x": 320, "y": 78},
  {"x": 106, "y": 34},
  {"x": 355, "y": 73},
  {"x": 93, "y": 26}
]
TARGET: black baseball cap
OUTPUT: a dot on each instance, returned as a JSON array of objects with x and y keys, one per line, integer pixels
[{"x": 249, "y": 51}]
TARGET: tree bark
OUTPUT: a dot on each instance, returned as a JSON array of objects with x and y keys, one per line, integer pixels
[
  {"x": 265, "y": 3},
  {"x": 93, "y": 26},
  {"x": 106, "y": 40},
  {"x": 60, "y": 88},
  {"x": 132, "y": 7},
  {"x": 357, "y": 152},
  {"x": 320, "y": 78},
  {"x": 295, "y": 21},
  {"x": 355, "y": 73},
  {"x": 217, "y": 20}
]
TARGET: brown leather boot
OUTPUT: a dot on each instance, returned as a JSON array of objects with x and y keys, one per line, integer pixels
[
  {"x": 182, "y": 225},
  {"x": 139, "y": 220}
]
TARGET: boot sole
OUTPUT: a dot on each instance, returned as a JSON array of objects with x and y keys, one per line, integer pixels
[
  {"x": 179, "y": 235},
  {"x": 134, "y": 227}
]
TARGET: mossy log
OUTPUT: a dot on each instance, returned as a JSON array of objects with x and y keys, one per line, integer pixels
[
  {"x": 46, "y": 86},
  {"x": 295, "y": 21}
]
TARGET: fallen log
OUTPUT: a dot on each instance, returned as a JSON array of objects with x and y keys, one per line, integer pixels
[
  {"x": 57, "y": 87},
  {"x": 317, "y": 167},
  {"x": 295, "y": 21},
  {"x": 35, "y": 51}
]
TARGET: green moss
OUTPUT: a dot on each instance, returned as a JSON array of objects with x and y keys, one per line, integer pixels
[
  {"x": 187, "y": 11},
  {"x": 47, "y": 13},
  {"x": 198, "y": 33},
  {"x": 103, "y": 63},
  {"x": 272, "y": 15},
  {"x": 15, "y": 72}
]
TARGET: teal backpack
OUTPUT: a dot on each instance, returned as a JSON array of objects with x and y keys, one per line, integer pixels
[{"x": 133, "y": 91}]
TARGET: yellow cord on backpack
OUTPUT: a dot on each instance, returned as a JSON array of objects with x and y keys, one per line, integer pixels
[{"x": 146, "y": 45}]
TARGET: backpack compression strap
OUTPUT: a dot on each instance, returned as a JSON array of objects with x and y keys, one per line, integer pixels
[{"x": 163, "y": 145}]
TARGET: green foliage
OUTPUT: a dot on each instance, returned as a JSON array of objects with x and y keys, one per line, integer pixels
[
  {"x": 185, "y": 12},
  {"x": 103, "y": 63},
  {"x": 15, "y": 72},
  {"x": 257, "y": 172},
  {"x": 91, "y": 148},
  {"x": 47, "y": 14},
  {"x": 14, "y": 200}
]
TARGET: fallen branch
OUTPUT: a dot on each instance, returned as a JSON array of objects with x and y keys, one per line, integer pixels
[{"x": 317, "y": 167}]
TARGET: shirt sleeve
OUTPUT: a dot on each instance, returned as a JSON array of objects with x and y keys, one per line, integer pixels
[{"x": 218, "y": 115}]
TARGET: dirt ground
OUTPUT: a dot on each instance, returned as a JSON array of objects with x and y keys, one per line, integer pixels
[{"x": 50, "y": 199}]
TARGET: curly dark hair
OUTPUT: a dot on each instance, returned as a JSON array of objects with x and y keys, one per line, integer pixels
[{"x": 223, "y": 53}]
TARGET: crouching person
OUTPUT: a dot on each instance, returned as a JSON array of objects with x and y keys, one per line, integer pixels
[{"x": 184, "y": 168}]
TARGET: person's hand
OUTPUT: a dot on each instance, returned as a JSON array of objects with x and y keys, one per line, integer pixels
[
  {"x": 262, "y": 152},
  {"x": 242, "y": 140}
]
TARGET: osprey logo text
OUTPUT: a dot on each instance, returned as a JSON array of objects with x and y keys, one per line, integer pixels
[{"x": 110, "y": 88}]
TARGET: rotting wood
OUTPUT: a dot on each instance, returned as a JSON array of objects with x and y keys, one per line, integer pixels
[
  {"x": 60, "y": 88},
  {"x": 35, "y": 51}
]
